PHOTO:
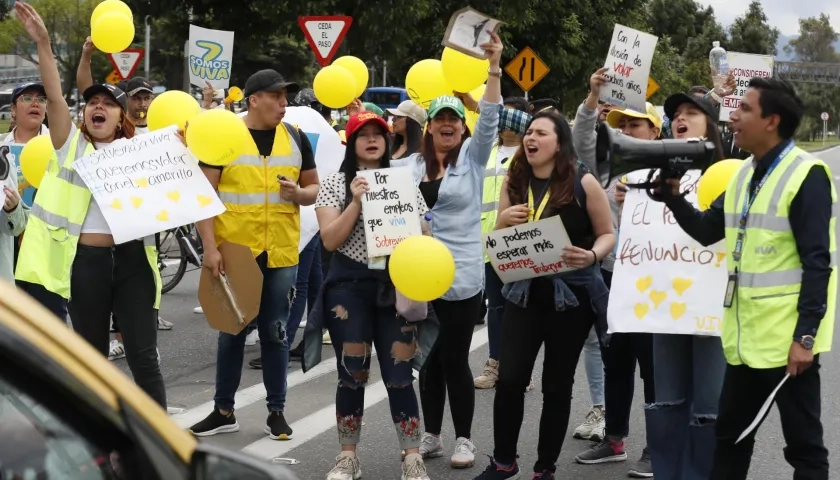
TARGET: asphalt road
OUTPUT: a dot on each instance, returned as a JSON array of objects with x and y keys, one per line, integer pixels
[{"x": 188, "y": 355}]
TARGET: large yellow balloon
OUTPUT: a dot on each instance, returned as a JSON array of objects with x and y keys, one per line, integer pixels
[
  {"x": 34, "y": 158},
  {"x": 478, "y": 92},
  {"x": 172, "y": 107},
  {"x": 463, "y": 72},
  {"x": 422, "y": 268},
  {"x": 715, "y": 180},
  {"x": 425, "y": 82},
  {"x": 217, "y": 136},
  {"x": 334, "y": 86},
  {"x": 110, "y": 6},
  {"x": 113, "y": 32},
  {"x": 358, "y": 69}
]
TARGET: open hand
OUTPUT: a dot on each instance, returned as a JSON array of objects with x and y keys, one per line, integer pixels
[
  {"x": 493, "y": 50},
  {"x": 354, "y": 107},
  {"x": 31, "y": 22}
]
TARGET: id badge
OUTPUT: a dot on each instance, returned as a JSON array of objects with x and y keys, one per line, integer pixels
[
  {"x": 731, "y": 286},
  {"x": 377, "y": 263}
]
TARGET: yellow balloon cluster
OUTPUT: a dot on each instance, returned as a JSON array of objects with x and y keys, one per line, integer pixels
[
  {"x": 34, "y": 159},
  {"x": 454, "y": 72},
  {"x": 462, "y": 72},
  {"x": 172, "y": 107},
  {"x": 715, "y": 180},
  {"x": 205, "y": 141},
  {"x": 422, "y": 268},
  {"x": 112, "y": 26},
  {"x": 337, "y": 85},
  {"x": 425, "y": 82}
]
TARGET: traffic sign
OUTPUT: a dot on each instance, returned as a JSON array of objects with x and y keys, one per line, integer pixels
[
  {"x": 526, "y": 69},
  {"x": 324, "y": 34},
  {"x": 824, "y": 116},
  {"x": 113, "y": 78},
  {"x": 126, "y": 62},
  {"x": 652, "y": 88}
]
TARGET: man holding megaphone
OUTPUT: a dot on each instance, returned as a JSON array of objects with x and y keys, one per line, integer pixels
[{"x": 777, "y": 219}]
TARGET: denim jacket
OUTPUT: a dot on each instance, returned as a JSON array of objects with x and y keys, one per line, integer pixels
[
  {"x": 456, "y": 216},
  {"x": 344, "y": 269},
  {"x": 589, "y": 278}
]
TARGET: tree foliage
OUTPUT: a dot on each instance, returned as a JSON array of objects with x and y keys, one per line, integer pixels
[{"x": 752, "y": 34}]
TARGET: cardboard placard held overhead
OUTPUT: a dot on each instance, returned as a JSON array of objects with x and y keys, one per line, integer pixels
[
  {"x": 232, "y": 301},
  {"x": 468, "y": 30}
]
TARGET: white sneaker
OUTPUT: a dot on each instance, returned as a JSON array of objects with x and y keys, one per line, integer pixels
[
  {"x": 593, "y": 426},
  {"x": 464, "y": 456},
  {"x": 489, "y": 376},
  {"x": 252, "y": 338},
  {"x": 174, "y": 410},
  {"x": 430, "y": 446},
  {"x": 116, "y": 350},
  {"x": 347, "y": 467},
  {"x": 413, "y": 468},
  {"x": 198, "y": 310}
]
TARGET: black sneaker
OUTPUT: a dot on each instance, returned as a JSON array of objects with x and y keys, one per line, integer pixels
[
  {"x": 495, "y": 472},
  {"x": 642, "y": 468},
  {"x": 544, "y": 475},
  {"x": 605, "y": 451},
  {"x": 215, "y": 423},
  {"x": 256, "y": 363},
  {"x": 297, "y": 352},
  {"x": 276, "y": 427}
]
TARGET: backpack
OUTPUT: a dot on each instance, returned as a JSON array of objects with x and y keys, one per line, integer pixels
[{"x": 295, "y": 134}]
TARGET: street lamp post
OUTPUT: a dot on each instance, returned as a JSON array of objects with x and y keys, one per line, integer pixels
[{"x": 148, "y": 49}]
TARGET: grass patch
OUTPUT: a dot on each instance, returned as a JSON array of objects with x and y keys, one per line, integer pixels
[
  {"x": 4, "y": 126},
  {"x": 818, "y": 145}
]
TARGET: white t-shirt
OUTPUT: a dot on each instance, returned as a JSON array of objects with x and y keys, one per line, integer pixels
[
  {"x": 503, "y": 158},
  {"x": 141, "y": 130}
]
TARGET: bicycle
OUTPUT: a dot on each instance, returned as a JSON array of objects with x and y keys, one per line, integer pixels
[{"x": 172, "y": 266}]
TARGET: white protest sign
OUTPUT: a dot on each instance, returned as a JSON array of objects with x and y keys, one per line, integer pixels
[
  {"x": 148, "y": 184},
  {"x": 663, "y": 280},
  {"x": 628, "y": 60},
  {"x": 211, "y": 57},
  {"x": 389, "y": 209},
  {"x": 529, "y": 250},
  {"x": 744, "y": 66}
]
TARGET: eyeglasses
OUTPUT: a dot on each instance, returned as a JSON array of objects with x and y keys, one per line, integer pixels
[{"x": 33, "y": 98}]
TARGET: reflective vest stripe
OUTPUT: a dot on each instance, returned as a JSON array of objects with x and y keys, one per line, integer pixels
[
  {"x": 55, "y": 220},
  {"x": 767, "y": 221},
  {"x": 489, "y": 207},
  {"x": 776, "y": 278},
  {"x": 273, "y": 161},
  {"x": 71, "y": 177},
  {"x": 252, "y": 198}
]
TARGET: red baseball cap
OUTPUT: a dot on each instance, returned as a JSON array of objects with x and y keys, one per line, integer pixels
[{"x": 361, "y": 119}]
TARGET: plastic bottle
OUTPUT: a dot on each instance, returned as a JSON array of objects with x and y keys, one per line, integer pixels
[{"x": 719, "y": 63}]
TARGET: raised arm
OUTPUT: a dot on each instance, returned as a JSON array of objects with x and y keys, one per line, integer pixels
[
  {"x": 84, "y": 79},
  {"x": 57, "y": 110},
  {"x": 487, "y": 126}
]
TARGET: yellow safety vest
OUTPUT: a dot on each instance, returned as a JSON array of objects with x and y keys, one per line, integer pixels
[
  {"x": 758, "y": 328},
  {"x": 55, "y": 222},
  {"x": 256, "y": 215},
  {"x": 491, "y": 192}
]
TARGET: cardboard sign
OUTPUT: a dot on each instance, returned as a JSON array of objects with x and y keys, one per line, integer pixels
[
  {"x": 389, "y": 209},
  {"x": 629, "y": 60},
  {"x": 232, "y": 301},
  {"x": 529, "y": 250},
  {"x": 744, "y": 66}
]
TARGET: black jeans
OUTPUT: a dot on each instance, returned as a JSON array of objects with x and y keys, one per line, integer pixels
[
  {"x": 448, "y": 367},
  {"x": 53, "y": 302},
  {"x": 118, "y": 280},
  {"x": 620, "y": 374},
  {"x": 744, "y": 391},
  {"x": 524, "y": 331}
]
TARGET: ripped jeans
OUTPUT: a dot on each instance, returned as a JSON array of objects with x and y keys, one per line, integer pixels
[
  {"x": 277, "y": 295},
  {"x": 688, "y": 377},
  {"x": 356, "y": 323}
]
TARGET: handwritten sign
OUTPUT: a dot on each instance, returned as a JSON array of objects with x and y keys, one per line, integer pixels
[
  {"x": 10, "y": 168},
  {"x": 744, "y": 66},
  {"x": 663, "y": 280},
  {"x": 529, "y": 250},
  {"x": 628, "y": 60},
  {"x": 389, "y": 209},
  {"x": 148, "y": 184}
]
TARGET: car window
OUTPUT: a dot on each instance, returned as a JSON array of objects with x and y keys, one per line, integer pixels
[{"x": 36, "y": 444}]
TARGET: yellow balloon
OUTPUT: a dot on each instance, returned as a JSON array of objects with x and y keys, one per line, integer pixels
[
  {"x": 358, "y": 69},
  {"x": 110, "y": 6},
  {"x": 334, "y": 86},
  {"x": 478, "y": 92},
  {"x": 172, "y": 107},
  {"x": 34, "y": 158},
  {"x": 113, "y": 32},
  {"x": 422, "y": 268},
  {"x": 425, "y": 82},
  {"x": 463, "y": 72},
  {"x": 715, "y": 180},
  {"x": 217, "y": 136}
]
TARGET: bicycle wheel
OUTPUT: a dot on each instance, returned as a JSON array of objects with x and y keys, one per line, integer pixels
[{"x": 172, "y": 266}]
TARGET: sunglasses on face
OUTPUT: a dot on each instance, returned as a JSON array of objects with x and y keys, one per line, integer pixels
[{"x": 33, "y": 98}]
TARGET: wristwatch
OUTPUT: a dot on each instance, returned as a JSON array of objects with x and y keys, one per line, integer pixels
[
  {"x": 495, "y": 73},
  {"x": 806, "y": 341}
]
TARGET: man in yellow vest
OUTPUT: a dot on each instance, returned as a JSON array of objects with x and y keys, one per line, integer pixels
[
  {"x": 262, "y": 191},
  {"x": 777, "y": 216},
  {"x": 513, "y": 120}
]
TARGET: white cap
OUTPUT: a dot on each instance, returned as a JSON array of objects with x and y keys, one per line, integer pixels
[{"x": 411, "y": 110}]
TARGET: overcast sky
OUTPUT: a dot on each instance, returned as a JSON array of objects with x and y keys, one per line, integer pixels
[{"x": 782, "y": 14}]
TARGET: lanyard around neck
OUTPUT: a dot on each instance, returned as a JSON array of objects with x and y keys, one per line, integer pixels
[{"x": 543, "y": 201}]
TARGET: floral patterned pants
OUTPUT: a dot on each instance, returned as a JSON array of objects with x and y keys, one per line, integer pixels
[{"x": 356, "y": 324}]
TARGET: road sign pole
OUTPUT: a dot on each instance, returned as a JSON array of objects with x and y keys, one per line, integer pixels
[
  {"x": 526, "y": 95},
  {"x": 825, "y": 130}
]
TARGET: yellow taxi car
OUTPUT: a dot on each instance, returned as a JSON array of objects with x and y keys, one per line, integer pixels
[{"x": 66, "y": 413}]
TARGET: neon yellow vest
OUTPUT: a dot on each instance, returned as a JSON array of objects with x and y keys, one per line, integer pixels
[
  {"x": 55, "y": 222},
  {"x": 758, "y": 328},
  {"x": 256, "y": 215},
  {"x": 492, "y": 189}
]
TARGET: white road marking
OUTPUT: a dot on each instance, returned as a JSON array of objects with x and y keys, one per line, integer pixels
[{"x": 319, "y": 422}]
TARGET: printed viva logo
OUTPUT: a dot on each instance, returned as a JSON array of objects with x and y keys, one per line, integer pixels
[{"x": 208, "y": 66}]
